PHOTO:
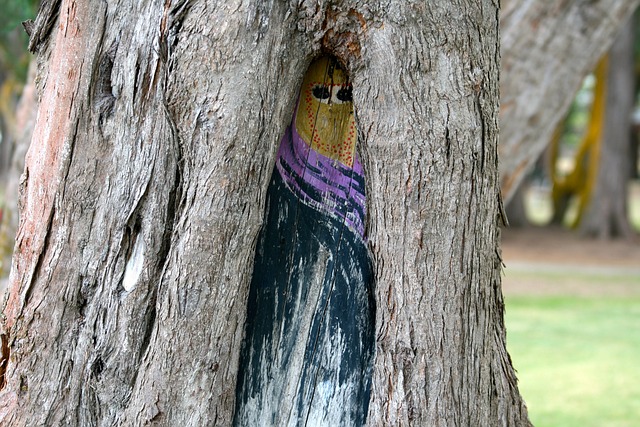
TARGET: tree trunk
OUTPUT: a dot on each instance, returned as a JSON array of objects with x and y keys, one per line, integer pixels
[
  {"x": 547, "y": 49},
  {"x": 144, "y": 192},
  {"x": 434, "y": 204},
  {"x": 516, "y": 209},
  {"x": 607, "y": 215}
]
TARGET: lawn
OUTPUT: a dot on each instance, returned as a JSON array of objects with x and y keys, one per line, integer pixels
[
  {"x": 577, "y": 357},
  {"x": 573, "y": 322}
]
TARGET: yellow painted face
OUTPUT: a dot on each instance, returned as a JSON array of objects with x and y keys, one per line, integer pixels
[{"x": 325, "y": 118}]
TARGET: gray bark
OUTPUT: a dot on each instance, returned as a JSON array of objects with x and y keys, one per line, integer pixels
[
  {"x": 432, "y": 173},
  {"x": 144, "y": 191},
  {"x": 606, "y": 215},
  {"x": 547, "y": 49}
]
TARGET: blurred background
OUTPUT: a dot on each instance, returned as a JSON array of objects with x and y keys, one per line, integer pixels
[
  {"x": 17, "y": 116},
  {"x": 571, "y": 252},
  {"x": 572, "y": 257}
]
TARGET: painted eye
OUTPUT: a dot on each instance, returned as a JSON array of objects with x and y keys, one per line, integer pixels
[
  {"x": 345, "y": 94},
  {"x": 321, "y": 92}
]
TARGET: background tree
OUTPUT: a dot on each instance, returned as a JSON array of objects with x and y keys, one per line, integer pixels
[
  {"x": 573, "y": 189},
  {"x": 14, "y": 61},
  {"x": 607, "y": 214},
  {"x": 16, "y": 119},
  {"x": 548, "y": 48}
]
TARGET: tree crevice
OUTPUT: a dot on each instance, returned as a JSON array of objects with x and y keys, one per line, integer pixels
[{"x": 43, "y": 24}]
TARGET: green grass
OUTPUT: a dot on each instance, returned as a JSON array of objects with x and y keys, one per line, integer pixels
[{"x": 578, "y": 359}]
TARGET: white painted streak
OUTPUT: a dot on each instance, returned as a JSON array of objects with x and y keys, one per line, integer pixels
[{"x": 134, "y": 265}]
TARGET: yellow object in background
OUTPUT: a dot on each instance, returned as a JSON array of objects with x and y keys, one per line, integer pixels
[{"x": 581, "y": 180}]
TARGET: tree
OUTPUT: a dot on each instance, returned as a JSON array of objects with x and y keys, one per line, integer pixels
[
  {"x": 516, "y": 209},
  {"x": 606, "y": 215},
  {"x": 547, "y": 49},
  {"x": 579, "y": 182},
  {"x": 144, "y": 191}
]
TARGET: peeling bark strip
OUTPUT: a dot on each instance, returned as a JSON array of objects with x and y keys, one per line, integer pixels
[
  {"x": 49, "y": 150},
  {"x": 4, "y": 359},
  {"x": 306, "y": 357},
  {"x": 39, "y": 30}
]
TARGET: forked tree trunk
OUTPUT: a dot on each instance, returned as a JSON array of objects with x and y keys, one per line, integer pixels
[
  {"x": 144, "y": 191},
  {"x": 606, "y": 215},
  {"x": 548, "y": 47}
]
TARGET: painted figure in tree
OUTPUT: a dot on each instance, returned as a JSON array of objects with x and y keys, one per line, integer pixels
[{"x": 311, "y": 292}]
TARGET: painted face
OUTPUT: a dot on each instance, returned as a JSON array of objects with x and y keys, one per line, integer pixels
[{"x": 325, "y": 118}]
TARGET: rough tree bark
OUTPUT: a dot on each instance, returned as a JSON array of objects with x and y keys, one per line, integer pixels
[
  {"x": 144, "y": 190},
  {"x": 606, "y": 215},
  {"x": 547, "y": 48}
]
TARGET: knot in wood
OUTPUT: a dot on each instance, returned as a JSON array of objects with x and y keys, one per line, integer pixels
[{"x": 342, "y": 34}]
